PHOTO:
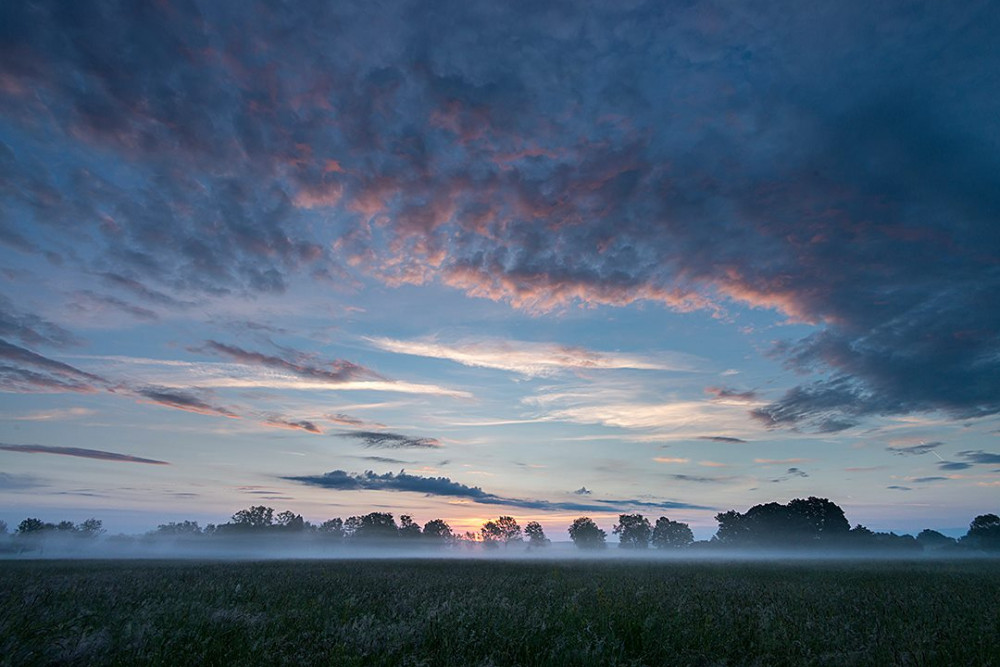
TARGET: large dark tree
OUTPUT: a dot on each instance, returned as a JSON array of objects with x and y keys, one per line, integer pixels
[
  {"x": 669, "y": 534},
  {"x": 586, "y": 534},
  {"x": 437, "y": 530},
  {"x": 633, "y": 531},
  {"x": 984, "y": 532},
  {"x": 408, "y": 528},
  {"x": 802, "y": 522},
  {"x": 254, "y": 517},
  {"x": 375, "y": 526},
  {"x": 536, "y": 535}
]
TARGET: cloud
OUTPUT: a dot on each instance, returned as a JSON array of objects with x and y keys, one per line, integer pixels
[
  {"x": 721, "y": 438},
  {"x": 791, "y": 473},
  {"x": 79, "y": 452},
  {"x": 896, "y": 487},
  {"x": 31, "y": 329},
  {"x": 383, "y": 459},
  {"x": 915, "y": 450},
  {"x": 667, "y": 459},
  {"x": 444, "y": 487},
  {"x": 182, "y": 374},
  {"x": 979, "y": 456},
  {"x": 9, "y": 482},
  {"x": 386, "y": 440},
  {"x": 183, "y": 400},
  {"x": 953, "y": 465},
  {"x": 531, "y": 359},
  {"x": 27, "y": 371},
  {"x": 334, "y": 371},
  {"x": 53, "y": 415},
  {"x": 583, "y": 491},
  {"x": 613, "y": 155},
  {"x": 93, "y": 305},
  {"x": 924, "y": 480},
  {"x": 727, "y": 394},
  {"x": 347, "y": 420},
  {"x": 295, "y": 425},
  {"x": 779, "y": 461},
  {"x": 700, "y": 479}
]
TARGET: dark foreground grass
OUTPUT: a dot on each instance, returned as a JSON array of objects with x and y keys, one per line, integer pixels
[{"x": 499, "y": 613}]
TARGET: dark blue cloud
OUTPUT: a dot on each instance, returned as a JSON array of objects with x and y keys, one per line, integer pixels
[
  {"x": 387, "y": 440},
  {"x": 79, "y": 452},
  {"x": 838, "y": 164},
  {"x": 22, "y": 370},
  {"x": 442, "y": 486}
]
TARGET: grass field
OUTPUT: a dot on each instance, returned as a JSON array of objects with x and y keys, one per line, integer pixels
[{"x": 481, "y": 612}]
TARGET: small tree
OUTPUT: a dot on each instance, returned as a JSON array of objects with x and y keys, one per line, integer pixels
[
  {"x": 509, "y": 530},
  {"x": 669, "y": 534},
  {"x": 290, "y": 521},
  {"x": 438, "y": 531},
  {"x": 633, "y": 531},
  {"x": 31, "y": 525},
  {"x": 182, "y": 528},
  {"x": 586, "y": 534},
  {"x": 333, "y": 528},
  {"x": 932, "y": 539},
  {"x": 254, "y": 517},
  {"x": 407, "y": 527},
  {"x": 984, "y": 532},
  {"x": 491, "y": 534},
  {"x": 90, "y": 528},
  {"x": 536, "y": 535},
  {"x": 378, "y": 526}
]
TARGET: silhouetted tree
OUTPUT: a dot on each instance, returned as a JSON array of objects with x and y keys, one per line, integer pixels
[
  {"x": 90, "y": 528},
  {"x": 65, "y": 527},
  {"x": 536, "y": 535},
  {"x": 491, "y": 534},
  {"x": 509, "y": 530},
  {"x": 31, "y": 525},
  {"x": 669, "y": 534},
  {"x": 254, "y": 517},
  {"x": 182, "y": 528},
  {"x": 377, "y": 526},
  {"x": 984, "y": 532},
  {"x": 586, "y": 534},
  {"x": 290, "y": 521},
  {"x": 633, "y": 531},
  {"x": 438, "y": 531},
  {"x": 332, "y": 528},
  {"x": 407, "y": 528},
  {"x": 932, "y": 539},
  {"x": 801, "y": 522}
]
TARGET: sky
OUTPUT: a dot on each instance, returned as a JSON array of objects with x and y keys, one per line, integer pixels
[{"x": 465, "y": 259}]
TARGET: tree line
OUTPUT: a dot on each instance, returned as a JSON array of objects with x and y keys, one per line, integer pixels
[{"x": 802, "y": 523}]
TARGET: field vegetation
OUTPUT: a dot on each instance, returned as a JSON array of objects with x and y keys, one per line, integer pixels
[{"x": 500, "y": 612}]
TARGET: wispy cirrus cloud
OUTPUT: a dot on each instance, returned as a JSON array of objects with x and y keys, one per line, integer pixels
[
  {"x": 533, "y": 359},
  {"x": 183, "y": 400},
  {"x": 444, "y": 487},
  {"x": 80, "y": 452},
  {"x": 336, "y": 371},
  {"x": 292, "y": 424},
  {"x": 386, "y": 440},
  {"x": 915, "y": 450},
  {"x": 27, "y": 371},
  {"x": 181, "y": 374}
]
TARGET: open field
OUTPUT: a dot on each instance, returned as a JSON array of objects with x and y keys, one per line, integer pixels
[{"x": 482, "y": 612}]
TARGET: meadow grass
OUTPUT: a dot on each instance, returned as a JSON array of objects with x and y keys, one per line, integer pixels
[{"x": 483, "y": 612}]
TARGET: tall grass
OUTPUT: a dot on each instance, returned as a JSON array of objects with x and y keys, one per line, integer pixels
[{"x": 499, "y": 613}]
